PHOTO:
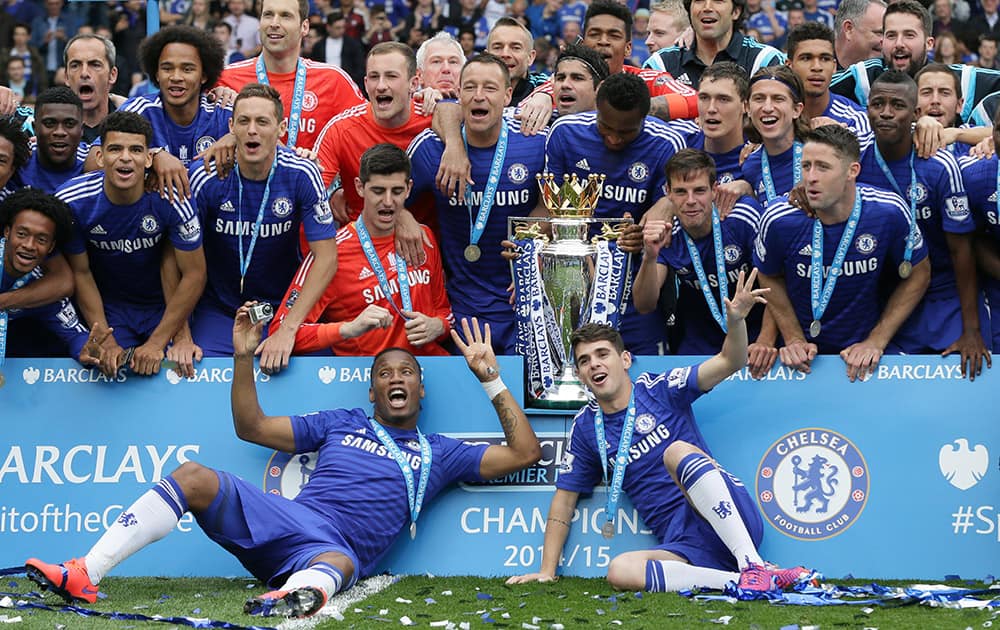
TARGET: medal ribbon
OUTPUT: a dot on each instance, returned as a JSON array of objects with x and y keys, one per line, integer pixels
[
  {"x": 910, "y": 194},
  {"x": 402, "y": 277},
  {"x": 820, "y": 291},
  {"x": 20, "y": 282},
  {"x": 720, "y": 271},
  {"x": 298, "y": 94},
  {"x": 246, "y": 258},
  {"x": 477, "y": 227},
  {"x": 621, "y": 457},
  {"x": 415, "y": 497},
  {"x": 765, "y": 170}
]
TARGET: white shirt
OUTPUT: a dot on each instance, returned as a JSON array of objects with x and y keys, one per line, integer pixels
[{"x": 334, "y": 51}]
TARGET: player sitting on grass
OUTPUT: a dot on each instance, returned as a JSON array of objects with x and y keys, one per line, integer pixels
[
  {"x": 707, "y": 524},
  {"x": 373, "y": 473}
]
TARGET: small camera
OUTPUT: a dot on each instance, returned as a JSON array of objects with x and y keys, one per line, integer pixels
[{"x": 262, "y": 312}]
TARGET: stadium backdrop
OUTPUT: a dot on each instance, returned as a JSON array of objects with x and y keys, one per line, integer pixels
[{"x": 863, "y": 478}]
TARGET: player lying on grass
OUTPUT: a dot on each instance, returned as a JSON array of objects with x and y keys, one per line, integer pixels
[{"x": 372, "y": 476}]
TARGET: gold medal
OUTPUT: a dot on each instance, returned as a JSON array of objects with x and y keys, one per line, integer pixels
[
  {"x": 473, "y": 253},
  {"x": 905, "y": 269},
  {"x": 815, "y": 328}
]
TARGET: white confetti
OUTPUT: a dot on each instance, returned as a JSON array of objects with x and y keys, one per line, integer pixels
[
  {"x": 529, "y": 626},
  {"x": 383, "y": 612},
  {"x": 446, "y": 592},
  {"x": 464, "y": 625},
  {"x": 400, "y": 600},
  {"x": 557, "y": 626},
  {"x": 868, "y": 611},
  {"x": 440, "y": 624},
  {"x": 406, "y": 621},
  {"x": 6, "y": 602},
  {"x": 725, "y": 619},
  {"x": 536, "y": 620},
  {"x": 505, "y": 615},
  {"x": 6, "y": 619}
]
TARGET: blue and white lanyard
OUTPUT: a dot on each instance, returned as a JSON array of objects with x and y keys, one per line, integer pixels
[
  {"x": 621, "y": 457},
  {"x": 910, "y": 194},
  {"x": 20, "y": 282},
  {"x": 765, "y": 170},
  {"x": 477, "y": 226},
  {"x": 248, "y": 256},
  {"x": 298, "y": 94},
  {"x": 414, "y": 496},
  {"x": 820, "y": 291},
  {"x": 402, "y": 278},
  {"x": 720, "y": 271}
]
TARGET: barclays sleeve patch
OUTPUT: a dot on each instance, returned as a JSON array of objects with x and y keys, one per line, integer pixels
[{"x": 322, "y": 213}]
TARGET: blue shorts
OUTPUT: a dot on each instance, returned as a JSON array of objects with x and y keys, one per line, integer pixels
[
  {"x": 993, "y": 303},
  {"x": 270, "y": 535},
  {"x": 697, "y": 541},
  {"x": 503, "y": 330},
  {"x": 934, "y": 325},
  {"x": 212, "y": 329},
  {"x": 133, "y": 324}
]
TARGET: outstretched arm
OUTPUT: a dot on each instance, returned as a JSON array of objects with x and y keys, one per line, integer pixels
[
  {"x": 249, "y": 419},
  {"x": 522, "y": 449},
  {"x": 557, "y": 526},
  {"x": 733, "y": 355}
]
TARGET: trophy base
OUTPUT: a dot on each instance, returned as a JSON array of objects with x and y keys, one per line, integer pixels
[{"x": 568, "y": 394}]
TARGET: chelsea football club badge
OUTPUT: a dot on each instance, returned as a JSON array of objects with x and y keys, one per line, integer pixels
[{"x": 608, "y": 531}]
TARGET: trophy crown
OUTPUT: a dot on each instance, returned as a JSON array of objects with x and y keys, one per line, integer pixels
[{"x": 574, "y": 197}]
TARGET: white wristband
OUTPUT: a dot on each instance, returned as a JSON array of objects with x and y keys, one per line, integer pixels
[{"x": 494, "y": 387}]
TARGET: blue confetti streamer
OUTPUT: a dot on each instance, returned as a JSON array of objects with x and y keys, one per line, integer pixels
[{"x": 483, "y": 596}]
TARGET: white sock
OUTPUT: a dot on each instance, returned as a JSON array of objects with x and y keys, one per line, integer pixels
[
  {"x": 709, "y": 494},
  {"x": 320, "y": 575},
  {"x": 668, "y": 576},
  {"x": 149, "y": 519}
]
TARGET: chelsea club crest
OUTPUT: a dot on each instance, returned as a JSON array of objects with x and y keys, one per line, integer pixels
[
  {"x": 812, "y": 484},
  {"x": 287, "y": 474}
]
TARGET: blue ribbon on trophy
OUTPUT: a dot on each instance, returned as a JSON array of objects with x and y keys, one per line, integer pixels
[
  {"x": 563, "y": 278},
  {"x": 612, "y": 283},
  {"x": 533, "y": 316}
]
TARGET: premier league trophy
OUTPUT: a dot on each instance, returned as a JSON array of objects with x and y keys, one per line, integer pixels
[{"x": 563, "y": 281}]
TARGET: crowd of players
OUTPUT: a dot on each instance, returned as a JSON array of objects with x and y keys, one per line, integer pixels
[
  {"x": 861, "y": 200},
  {"x": 868, "y": 203}
]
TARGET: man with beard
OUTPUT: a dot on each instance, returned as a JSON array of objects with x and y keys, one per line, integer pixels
[{"x": 905, "y": 42}]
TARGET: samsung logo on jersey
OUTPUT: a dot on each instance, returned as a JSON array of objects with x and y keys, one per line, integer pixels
[
  {"x": 502, "y": 198},
  {"x": 713, "y": 280},
  {"x": 626, "y": 194},
  {"x": 417, "y": 276},
  {"x": 374, "y": 446},
  {"x": 245, "y": 228},
  {"x": 850, "y": 268},
  {"x": 128, "y": 245},
  {"x": 89, "y": 463}
]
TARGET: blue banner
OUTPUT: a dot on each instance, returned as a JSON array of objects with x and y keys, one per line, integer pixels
[{"x": 852, "y": 478}]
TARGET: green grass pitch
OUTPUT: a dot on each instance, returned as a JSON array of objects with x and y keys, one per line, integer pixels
[{"x": 571, "y": 602}]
